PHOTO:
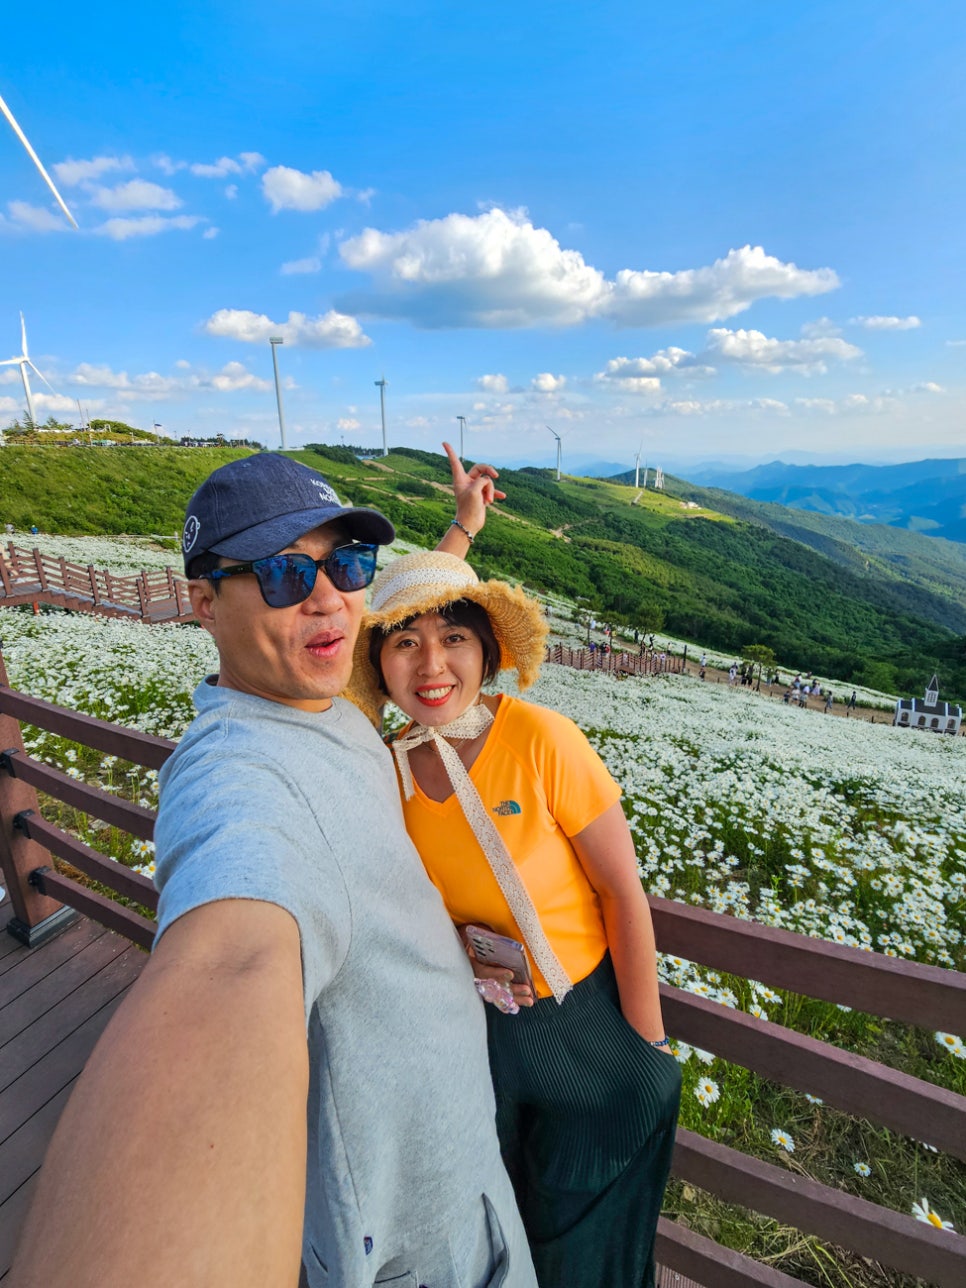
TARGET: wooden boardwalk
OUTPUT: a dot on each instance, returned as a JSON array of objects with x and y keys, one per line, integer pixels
[
  {"x": 29, "y": 577},
  {"x": 55, "y": 1001}
]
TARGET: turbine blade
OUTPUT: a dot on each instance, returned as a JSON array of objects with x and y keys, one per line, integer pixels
[
  {"x": 38, "y": 372},
  {"x": 23, "y": 336},
  {"x": 9, "y": 362},
  {"x": 36, "y": 160}
]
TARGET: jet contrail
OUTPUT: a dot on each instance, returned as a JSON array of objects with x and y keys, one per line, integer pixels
[{"x": 36, "y": 160}]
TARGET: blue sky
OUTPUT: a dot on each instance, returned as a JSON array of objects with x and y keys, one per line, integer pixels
[{"x": 702, "y": 231}]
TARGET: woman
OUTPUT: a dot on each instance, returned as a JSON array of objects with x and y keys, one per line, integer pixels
[{"x": 521, "y": 829}]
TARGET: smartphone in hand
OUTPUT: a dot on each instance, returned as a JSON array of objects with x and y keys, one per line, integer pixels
[{"x": 500, "y": 950}]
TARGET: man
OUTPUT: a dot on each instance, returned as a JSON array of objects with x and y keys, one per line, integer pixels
[{"x": 292, "y": 902}]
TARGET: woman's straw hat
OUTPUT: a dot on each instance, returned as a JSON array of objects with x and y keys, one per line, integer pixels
[{"x": 427, "y": 582}]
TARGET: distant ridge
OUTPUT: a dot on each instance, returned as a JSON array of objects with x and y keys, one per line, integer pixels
[{"x": 926, "y": 496}]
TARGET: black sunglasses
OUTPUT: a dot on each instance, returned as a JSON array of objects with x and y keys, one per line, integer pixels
[{"x": 285, "y": 580}]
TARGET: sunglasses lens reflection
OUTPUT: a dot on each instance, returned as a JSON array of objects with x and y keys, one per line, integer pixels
[
  {"x": 351, "y": 567},
  {"x": 285, "y": 580}
]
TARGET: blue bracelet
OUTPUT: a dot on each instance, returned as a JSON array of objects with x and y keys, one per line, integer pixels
[
  {"x": 466, "y": 532},
  {"x": 665, "y": 1041}
]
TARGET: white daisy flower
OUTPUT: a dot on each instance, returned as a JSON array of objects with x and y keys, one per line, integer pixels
[
  {"x": 923, "y": 1212},
  {"x": 783, "y": 1140}
]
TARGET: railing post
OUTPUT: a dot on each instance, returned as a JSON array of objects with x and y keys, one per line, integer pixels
[
  {"x": 36, "y": 917},
  {"x": 92, "y": 573},
  {"x": 41, "y": 571},
  {"x": 142, "y": 590}
]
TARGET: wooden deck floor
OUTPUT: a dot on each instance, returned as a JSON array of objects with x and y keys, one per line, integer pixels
[{"x": 54, "y": 1003}]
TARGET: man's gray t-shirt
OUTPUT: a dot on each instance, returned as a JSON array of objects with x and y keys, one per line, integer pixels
[{"x": 301, "y": 809}]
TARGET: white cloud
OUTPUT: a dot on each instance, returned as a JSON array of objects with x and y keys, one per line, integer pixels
[
  {"x": 100, "y": 376},
  {"x": 756, "y": 350},
  {"x": 887, "y": 323},
  {"x": 232, "y": 377},
  {"x": 330, "y": 331},
  {"x": 493, "y": 384},
  {"x": 348, "y": 424},
  {"x": 497, "y": 270},
  {"x": 720, "y": 406},
  {"x": 851, "y": 404},
  {"x": 54, "y": 402},
  {"x": 630, "y": 383},
  {"x": 210, "y": 233},
  {"x": 166, "y": 165},
  {"x": 820, "y": 329},
  {"x": 146, "y": 226},
  {"x": 547, "y": 383},
  {"x": 136, "y": 194},
  {"x": 643, "y": 375},
  {"x": 288, "y": 189},
  {"x": 231, "y": 192},
  {"x": 224, "y": 166},
  {"x": 928, "y": 387},
  {"x": 728, "y": 286},
  {"x": 311, "y": 264},
  {"x": 36, "y": 219},
  {"x": 71, "y": 172},
  {"x": 490, "y": 270}
]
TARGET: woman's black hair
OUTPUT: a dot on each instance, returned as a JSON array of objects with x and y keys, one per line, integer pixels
[{"x": 462, "y": 612}]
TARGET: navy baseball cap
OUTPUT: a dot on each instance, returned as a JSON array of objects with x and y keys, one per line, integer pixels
[{"x": 256, "y": 506}]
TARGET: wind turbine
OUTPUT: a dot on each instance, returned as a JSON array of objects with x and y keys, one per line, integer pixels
[
  {"x": 37, "y": 162},
  {"x": 557, "y": 437},
  {"x": 637, "y": 466},
  {"x": 23, "y": 362},
  {"x": 382, "y": 409}
]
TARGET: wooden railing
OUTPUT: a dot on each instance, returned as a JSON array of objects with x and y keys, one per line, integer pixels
[
  {"x": 883, "y": 986},
  {"x": 30, "y": 577},
  {"x": 617, "y": 661}
]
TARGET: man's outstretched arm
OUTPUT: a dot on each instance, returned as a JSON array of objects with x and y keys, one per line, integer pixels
[{"x": 180, "y": 1157}]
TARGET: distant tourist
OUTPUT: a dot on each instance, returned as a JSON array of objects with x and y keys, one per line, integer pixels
[
  {"x": 852, "y": 701},
  {"x": 829, "y": 701}
]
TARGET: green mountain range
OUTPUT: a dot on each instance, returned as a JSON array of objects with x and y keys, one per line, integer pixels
[
  {"x": 700, "y": 565},
  {"x": 923, "y": 496}
]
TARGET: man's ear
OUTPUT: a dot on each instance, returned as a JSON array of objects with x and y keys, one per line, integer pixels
[{"x": 201, "y": 592}]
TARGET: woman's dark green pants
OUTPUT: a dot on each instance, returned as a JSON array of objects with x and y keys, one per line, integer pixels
[{"x": 586, "y": 1110}]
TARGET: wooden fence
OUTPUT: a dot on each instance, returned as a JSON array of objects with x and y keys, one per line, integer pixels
[
  {"x": 617, "y": 662},
  {"x": 883, "y": 986},
  {"x": 29, "y": 577}
]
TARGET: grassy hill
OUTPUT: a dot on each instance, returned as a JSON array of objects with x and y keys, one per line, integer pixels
[
  {"x": 931, "y": 571},
  {"x": 658, "y": 561}
]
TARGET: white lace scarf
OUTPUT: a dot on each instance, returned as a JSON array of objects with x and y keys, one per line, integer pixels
[{"x": 471, "y": 724}]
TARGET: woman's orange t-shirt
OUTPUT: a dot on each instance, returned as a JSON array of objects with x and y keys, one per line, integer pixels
[{"x": 541, "y": 782}]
